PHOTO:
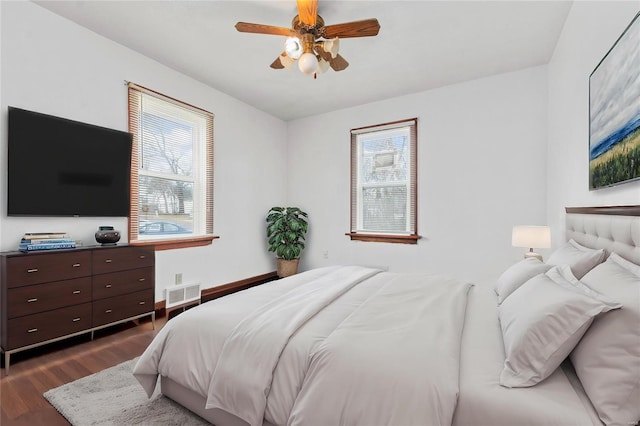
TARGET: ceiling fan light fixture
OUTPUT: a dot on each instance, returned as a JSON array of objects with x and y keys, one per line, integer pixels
[
  {"x": 286, "y": 61},
  {"x": 309, "y": 40},
  {"x": 332, "y": 46},
  {"x": 293, "y": 47},
  {"x": 308, "y": 63},
  {"x": 323, "y": 66}
]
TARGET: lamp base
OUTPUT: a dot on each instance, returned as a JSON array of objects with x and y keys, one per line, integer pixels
[{"x": 529, "y": 254}]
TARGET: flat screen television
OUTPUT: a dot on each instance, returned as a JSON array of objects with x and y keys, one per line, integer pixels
[{"x": 60, "y": 167}]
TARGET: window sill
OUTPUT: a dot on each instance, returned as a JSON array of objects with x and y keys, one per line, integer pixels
[
  {"x": 177, "y": 243},
  {"x": 382, "y": 238}
]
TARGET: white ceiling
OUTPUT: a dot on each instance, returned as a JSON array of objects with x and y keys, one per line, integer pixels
[{"x": 421, "y": 45}]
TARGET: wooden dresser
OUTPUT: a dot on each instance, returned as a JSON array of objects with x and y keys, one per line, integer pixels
[{"x": 52, "y": 295}]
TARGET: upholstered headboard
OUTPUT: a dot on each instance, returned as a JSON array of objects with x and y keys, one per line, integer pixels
[{"x": 615, "y": 229}]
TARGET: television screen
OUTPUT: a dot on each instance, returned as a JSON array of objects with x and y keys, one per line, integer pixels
[{"x": 60, "y": 167}]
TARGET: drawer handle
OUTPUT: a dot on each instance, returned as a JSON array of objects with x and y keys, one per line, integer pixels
[
  {"x": 140, "y": 279},
  {"x": 35, "y": 299},
  {"x": 108, "y": 261},
  {"x": 33, "y": 330},
  {"x": 75, "y": 319},
  {"x": 32, "y": 270},
  {"x": 142, "y": 256},
  {"x": 141, "y": 303},
  {"x": 108, "y": 311},
  {"x": 76, "y": 265},
  {"x": 76, "y": 292},
  {"x": 107, "y": 286}
]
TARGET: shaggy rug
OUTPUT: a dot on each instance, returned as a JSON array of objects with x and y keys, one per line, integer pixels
[{"x": 114, "y": 397}]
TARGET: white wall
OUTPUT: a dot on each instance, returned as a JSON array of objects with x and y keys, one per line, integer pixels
[
  {"x": 481, "y": 170},
  {"x": 590, "y": 31},
  {"x": 54, "y": 66},
  {"x": 504, "y": 150}
]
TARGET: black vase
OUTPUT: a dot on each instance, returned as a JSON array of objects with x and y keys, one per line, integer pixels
[{"x": 106, "y": 235}]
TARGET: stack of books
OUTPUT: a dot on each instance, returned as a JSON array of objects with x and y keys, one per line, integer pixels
[{"x": 46, "y": 241}]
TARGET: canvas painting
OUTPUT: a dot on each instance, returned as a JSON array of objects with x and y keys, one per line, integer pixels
[{"x": 614, "y": 110}]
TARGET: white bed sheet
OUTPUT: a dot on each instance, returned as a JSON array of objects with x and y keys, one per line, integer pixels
[{"x": 556, "y": 401}]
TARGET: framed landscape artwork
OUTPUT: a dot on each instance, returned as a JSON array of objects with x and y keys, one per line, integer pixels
[{"x": 614, "y": 113}]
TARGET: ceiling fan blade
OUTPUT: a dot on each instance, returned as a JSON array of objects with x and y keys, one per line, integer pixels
[
  {"x": 282, "y": 61},
  {"x": 366, "y": 28},
  {"x": 246, "y": 27},
  {"x": 307, "y": 11},
  {"x": 277, "y": 64},
  {"x": 338, "y": 63},
  {"x": 323, "y": 53}
]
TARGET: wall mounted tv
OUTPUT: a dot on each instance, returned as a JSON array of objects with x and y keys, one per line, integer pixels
[{"x": 60, "y": 167}]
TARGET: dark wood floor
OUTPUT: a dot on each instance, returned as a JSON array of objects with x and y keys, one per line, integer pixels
[{"x": 35, "y": 371}]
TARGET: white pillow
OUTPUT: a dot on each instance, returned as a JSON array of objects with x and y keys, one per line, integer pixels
[
  {"x": 542, "y": 321},
  {"x": 607, "y": 359},
  {"x": 517, "y": 275},
  {"x": 580, "y": 258}
]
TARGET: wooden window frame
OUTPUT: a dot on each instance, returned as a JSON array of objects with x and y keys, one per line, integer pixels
[
  {"x": 134, "y": 221},
  {"x": 385, "y": 237}
]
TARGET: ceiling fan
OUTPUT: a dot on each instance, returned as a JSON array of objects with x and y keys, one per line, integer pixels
[{"x": 314, "y": 45}]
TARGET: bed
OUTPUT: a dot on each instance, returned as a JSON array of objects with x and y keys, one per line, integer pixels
[{"x": 354, "y": 345}]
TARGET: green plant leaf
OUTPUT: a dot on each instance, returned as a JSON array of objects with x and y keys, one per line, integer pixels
[{"x": 286, "y": 229}]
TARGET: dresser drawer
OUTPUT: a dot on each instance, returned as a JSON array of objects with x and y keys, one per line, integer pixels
[
  {"x": 117, "y": 308},
  {"x": 36, "y": 298},
  {"x": 122, "y": 258},
  {"x": 123, "y": 282},
  {"x": 48, "y": 325},
  {"x": 39, "y": 268}
]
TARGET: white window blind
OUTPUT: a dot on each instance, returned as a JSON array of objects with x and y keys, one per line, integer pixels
[
  {"x": 172, "y": 167},
  {"x": 383, "y": 180}
]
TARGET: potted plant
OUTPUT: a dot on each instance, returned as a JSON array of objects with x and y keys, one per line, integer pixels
[{"x": 286, "y": 227}]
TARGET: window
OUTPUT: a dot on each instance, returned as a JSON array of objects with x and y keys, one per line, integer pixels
[
  {"x": 172, "y": 171},
  {"x": 383, "y": 182}
]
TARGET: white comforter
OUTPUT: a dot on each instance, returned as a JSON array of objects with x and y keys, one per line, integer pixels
[{"x": 338, "y": 345}]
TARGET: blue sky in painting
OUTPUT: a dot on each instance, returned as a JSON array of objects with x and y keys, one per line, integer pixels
[{"x": 615, "y": 87}]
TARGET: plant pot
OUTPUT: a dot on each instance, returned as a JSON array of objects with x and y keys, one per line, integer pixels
[{"x": 286, "y": 268}]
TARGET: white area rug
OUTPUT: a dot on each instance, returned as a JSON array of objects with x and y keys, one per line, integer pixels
[{"x": 114, "y": 397}]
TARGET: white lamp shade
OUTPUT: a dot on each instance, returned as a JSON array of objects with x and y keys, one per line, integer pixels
[
  {"x": 308, "y": 63},
  {"x": 286, "y": 61},
  {"x": 293, "y": 47},
  {"x": 323, "y": 66},
  {"x": 332, "y": 46},
  {"x": 531, "y": 236}
]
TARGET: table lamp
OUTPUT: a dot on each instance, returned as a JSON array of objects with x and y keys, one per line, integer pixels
[{"x": 531, "y": 237}]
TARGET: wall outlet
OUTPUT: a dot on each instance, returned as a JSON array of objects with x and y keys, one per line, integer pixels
[
  {"x": 178, "y": 278},
  {"x": 325, "y": 254}
]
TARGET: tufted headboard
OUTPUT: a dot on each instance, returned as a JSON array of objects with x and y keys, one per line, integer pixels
[{"x": 615, "y": 229}]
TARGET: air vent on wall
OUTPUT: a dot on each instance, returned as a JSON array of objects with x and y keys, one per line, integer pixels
[{"x": 182, "y": 295}]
